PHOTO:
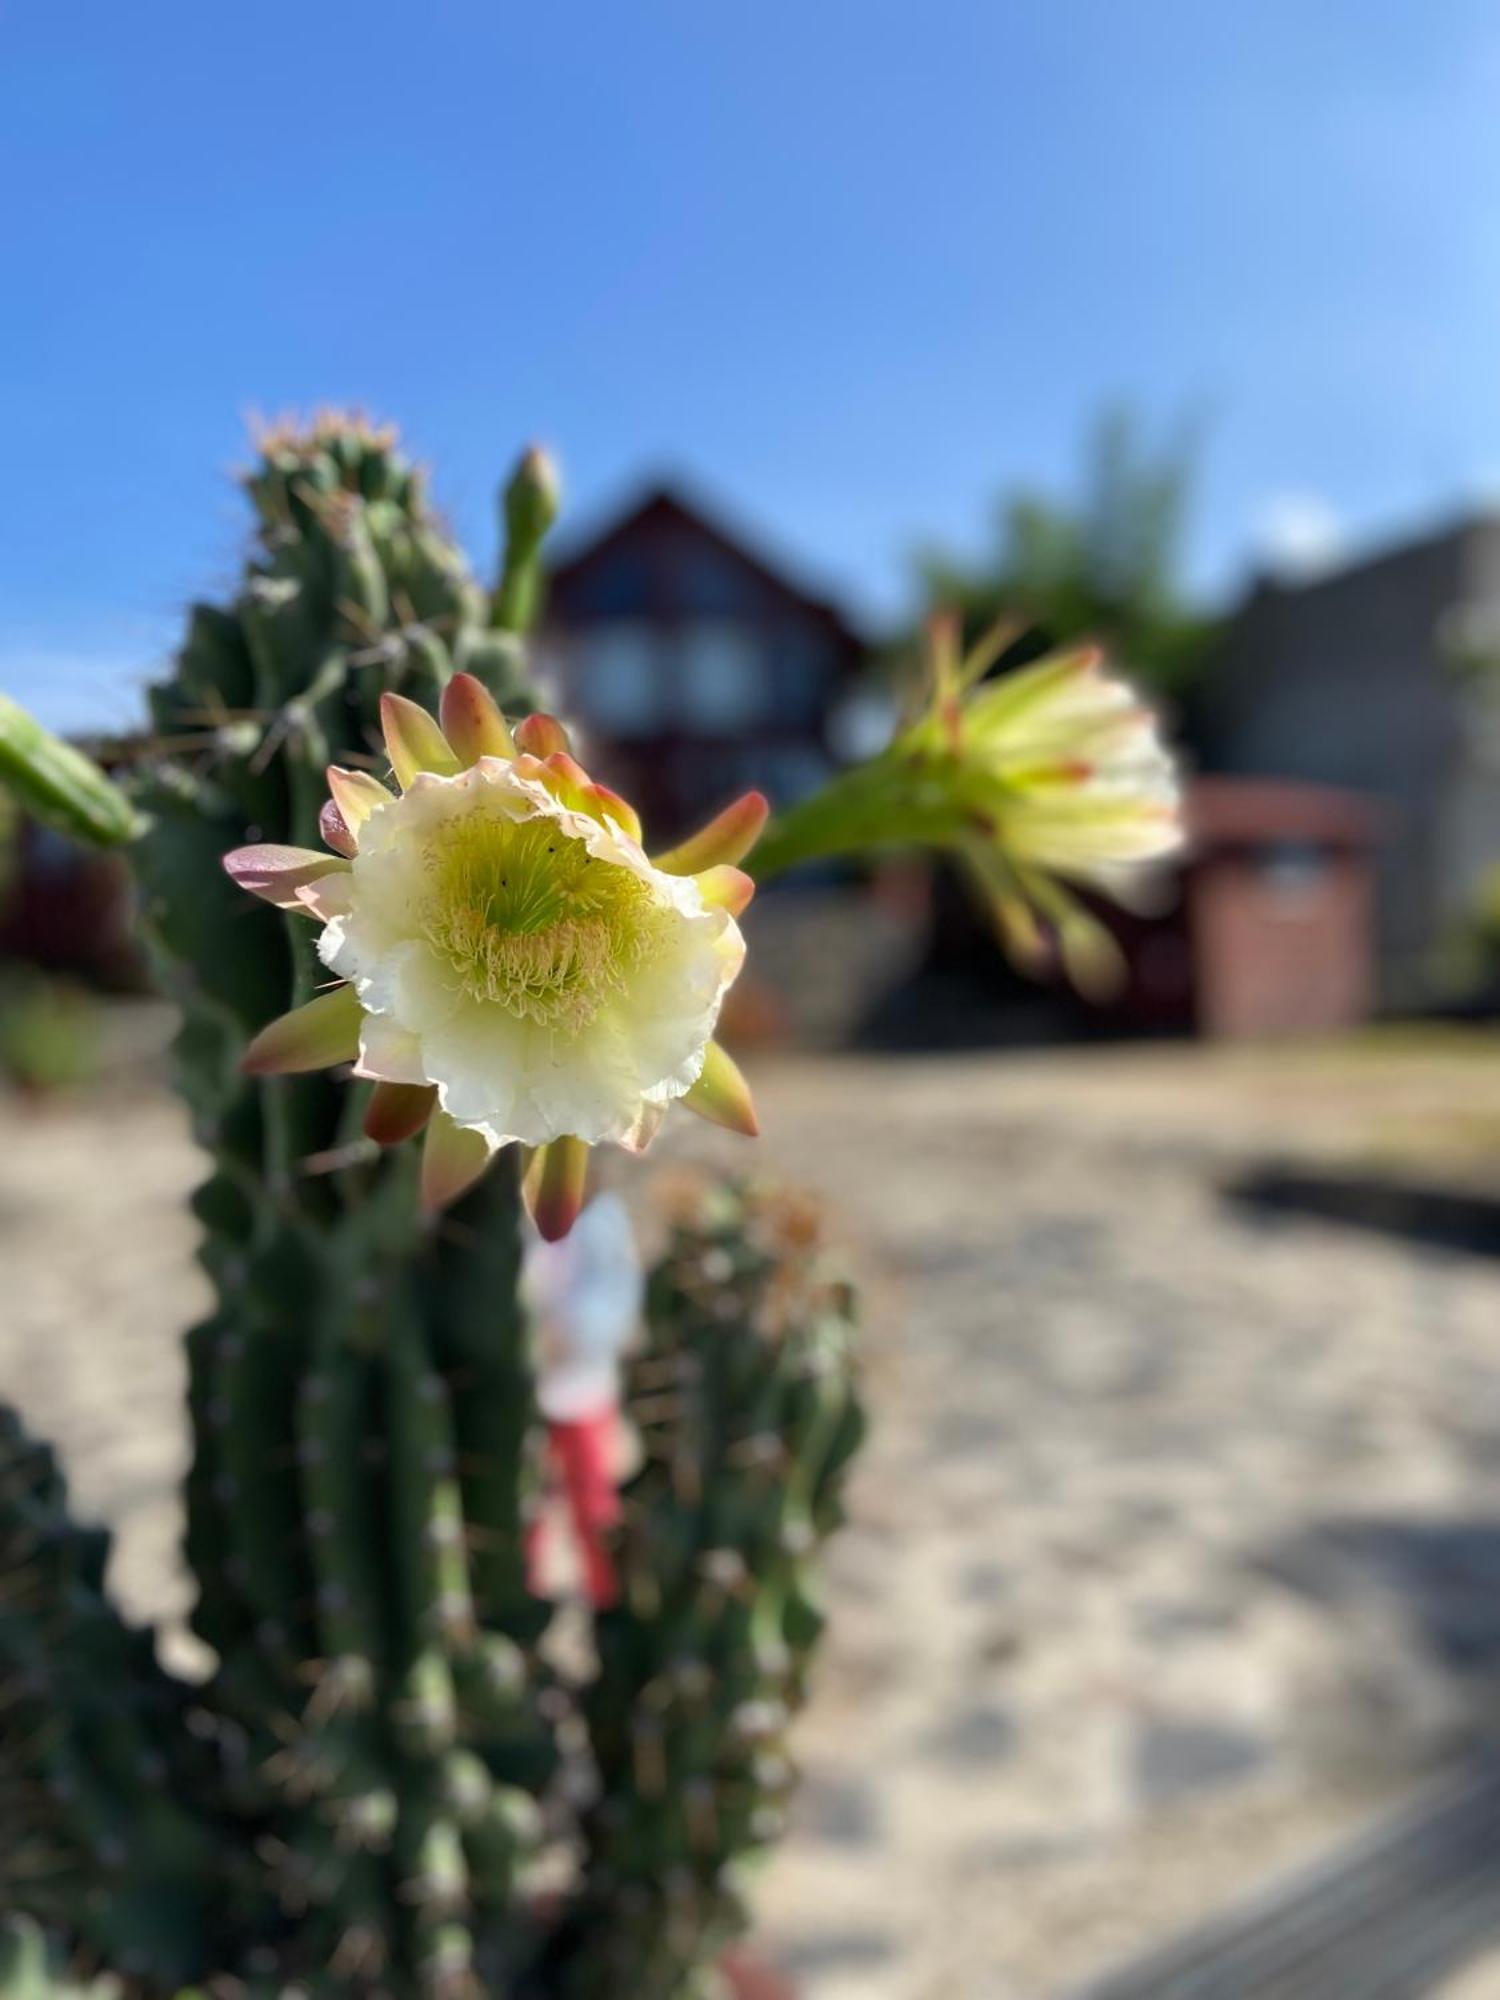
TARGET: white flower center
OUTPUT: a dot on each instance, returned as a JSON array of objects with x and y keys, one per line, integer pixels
[{"x": 525, "y": 918}]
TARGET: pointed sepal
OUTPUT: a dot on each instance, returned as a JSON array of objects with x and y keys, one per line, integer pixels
[
  {"x": 413, "y": 741},
  {"x": 721, "y": 1094},
  {"x": 320, "y": 1033},
  {"x": 336, "y": 830},
  {"x": 554, "y": 1186},
  {"x": 729, "y": 838},
  {"x": 621, "y": 811},
  {"x": 354, "y": 795},
  {"x": 398, "y": 1111},
  {"x": 472, "y": 721},
  {"x": 725, "y": 888},
  {"x": 282, "y": 875},
  {"x": 542, "y": 735},
  {"x": 453, "y": 1158}
]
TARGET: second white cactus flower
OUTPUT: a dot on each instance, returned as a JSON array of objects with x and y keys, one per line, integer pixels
[
  {"x": 516, "y": 970},
  {"x": 1041, "y": 782}
]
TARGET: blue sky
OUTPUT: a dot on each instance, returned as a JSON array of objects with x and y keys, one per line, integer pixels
[{"x": 856, "y": 265}]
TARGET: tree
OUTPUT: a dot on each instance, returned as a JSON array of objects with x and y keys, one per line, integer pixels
[{"x": 1106, "y": 566}]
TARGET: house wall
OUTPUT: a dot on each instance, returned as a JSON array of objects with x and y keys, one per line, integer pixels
[
  {"x": 662, "y": 604},
  {"x": 1346, "y": 681},
  {"x": 1280, "y": 950},
  {"x": 1469, "y": 810}
]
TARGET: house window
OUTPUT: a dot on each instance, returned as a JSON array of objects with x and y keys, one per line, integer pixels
[
  {"x": 721, "y": 678},
  {"x": 619, "y": 679},
  {"x": 1293, "y": 871}
]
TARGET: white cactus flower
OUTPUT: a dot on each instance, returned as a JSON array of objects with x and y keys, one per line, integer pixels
[{"x": 515, "y": 969}]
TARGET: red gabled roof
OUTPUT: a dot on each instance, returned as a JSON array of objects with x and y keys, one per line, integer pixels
[{"x": 665, "y": 503}]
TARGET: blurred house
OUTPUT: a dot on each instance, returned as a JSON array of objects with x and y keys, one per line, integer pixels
[
  {"x": 1265, "y": 927},
  {"x": 1382, "y": 677},
  {"x": 696, "y": 666}
]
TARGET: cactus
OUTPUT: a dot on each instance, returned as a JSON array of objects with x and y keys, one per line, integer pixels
[
  {"x": 742, "y": 1399},
  {"x": 91, "y": 1832},
  {"x": 56, "y": 783},
  {"x": 360, "y": 1790}
]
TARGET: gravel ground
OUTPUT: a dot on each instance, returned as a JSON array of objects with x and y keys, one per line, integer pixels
[{"x": 1133, "y": 1609}]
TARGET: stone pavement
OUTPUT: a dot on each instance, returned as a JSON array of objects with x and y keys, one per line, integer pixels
[{"x": 1137, "y": 1604}]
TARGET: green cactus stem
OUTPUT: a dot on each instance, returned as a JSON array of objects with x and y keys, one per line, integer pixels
[
  {"x": 377, "y": 1790},
  {"x": 59, "y": 785},
  {"x": 360, "y": 1395},
  {"x": 94, "y": 1761},
  {"x": 748, "y": 1419}
]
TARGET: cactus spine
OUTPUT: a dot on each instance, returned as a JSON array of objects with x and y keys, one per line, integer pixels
[{"x": 361, "y": 1786}]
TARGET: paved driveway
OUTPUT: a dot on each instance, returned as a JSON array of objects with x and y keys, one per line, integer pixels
[{"x": 1176, "y": 1515}]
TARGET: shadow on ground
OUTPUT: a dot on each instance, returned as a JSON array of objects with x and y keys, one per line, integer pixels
[
  {"x": 1435, "y": 1217},
  {"x": 1443, "y": 1576}
]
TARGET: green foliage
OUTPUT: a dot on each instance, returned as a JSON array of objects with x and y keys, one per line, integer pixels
[
  {"x": 354, "y": 1800},
  {"x": 1106, "y": 566},
  {"x": 49, "y": 1033}
]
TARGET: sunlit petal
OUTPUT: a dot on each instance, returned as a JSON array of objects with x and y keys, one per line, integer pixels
[
  {"x": 356, "y": 795},
  {"x": 398, "y": 1111},
  {"x": 315, "y": 1036},
  {"x": 730, "y": 837},
  {"x": 725, "y": 888},
  {"x": 281, "y": 875},
  {"x": 472, "y": 721},
  {"x": 721, "y": 1094},
  {"x": 413, "y": 741},
  {"x": 541, "y": 735},
  {"x": 336, "y": 830},
  {"x": 453, "y": 1158},
  {"x": 554, "y": 1186}
]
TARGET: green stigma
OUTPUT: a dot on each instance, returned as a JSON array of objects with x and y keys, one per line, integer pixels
[{"x": 528, "y": 920}]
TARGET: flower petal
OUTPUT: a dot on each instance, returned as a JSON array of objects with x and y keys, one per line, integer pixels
[
  {"x": 648, "y": 1122},
  {"x": 569, "y": 783},
  {"x": 542, "y": 735},
  {"x": 322, "y": 1032},
  {"x": 413, "y": 741},
  {"x": 612, "y": 806},
  {"x": 567, "y": 780},
  {"x": 725, "y": 888},
  {"x": 721, "y": 1094},
  {"x": 472, "y": 721},
  {"x": 336, "y": 830},
  {"x": 356, "y": 795},
  {"x": 453, "y": 1158},
  {"x": 398, "y": 1110},
  {"x": 554, "y": 1186},
  {"x": 279, "y": 874},
  {"x": 730, "y": 837},
  {"x": 388, "y": 1052}
]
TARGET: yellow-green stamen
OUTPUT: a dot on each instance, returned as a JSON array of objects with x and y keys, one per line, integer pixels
[{"x": 529, "y": 920}]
